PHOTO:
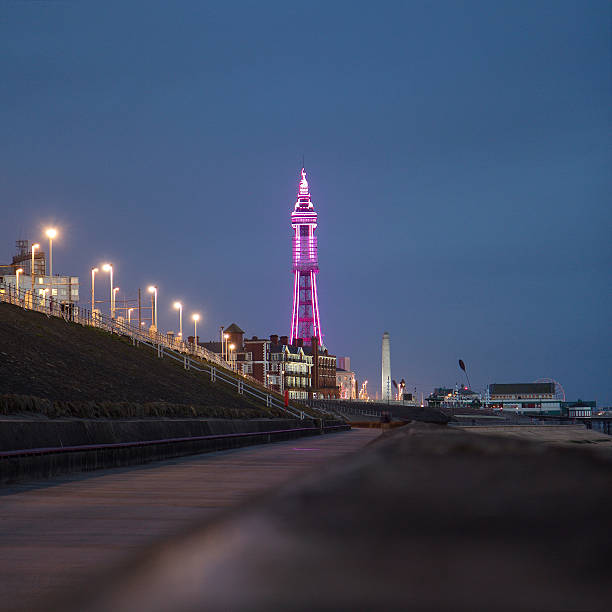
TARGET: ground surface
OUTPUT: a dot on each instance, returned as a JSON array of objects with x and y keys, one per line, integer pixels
[
  {"x": 47, "y": 357},
  {"x": 55, "y": 534},
  {"x": 426, "y": 518},
  {"x": 554, "y": 435}
]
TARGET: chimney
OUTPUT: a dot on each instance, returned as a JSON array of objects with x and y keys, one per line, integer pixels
[
  {"x": 300, "y": 341},
  {"x": 274, "y": 338},
  {"x": 284, "y": 339}
]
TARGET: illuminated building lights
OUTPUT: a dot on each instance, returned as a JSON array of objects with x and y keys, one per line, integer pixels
[{"x": 305, "y": 321}]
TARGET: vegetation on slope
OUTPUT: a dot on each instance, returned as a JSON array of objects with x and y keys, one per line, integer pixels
[{"x": 58, "y": 368}]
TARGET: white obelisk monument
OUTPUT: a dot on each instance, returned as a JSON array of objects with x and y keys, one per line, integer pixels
[{"x": 386, "y": 368}]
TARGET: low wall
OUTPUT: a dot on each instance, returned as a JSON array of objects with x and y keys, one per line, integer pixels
[{"x": 42, "y": 449}]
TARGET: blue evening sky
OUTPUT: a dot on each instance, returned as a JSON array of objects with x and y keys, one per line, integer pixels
[{"x": 458, "y": 155}]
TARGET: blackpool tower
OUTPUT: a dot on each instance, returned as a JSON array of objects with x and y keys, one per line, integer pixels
[{"x": 305, "y": 321}]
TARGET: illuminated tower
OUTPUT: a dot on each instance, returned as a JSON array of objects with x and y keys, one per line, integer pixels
[{"x": 305, "y": 321}]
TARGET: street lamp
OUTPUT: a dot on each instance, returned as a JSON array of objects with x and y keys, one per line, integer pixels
[
  {"x": 34, "y": 247},
  {"x": 17, "y": 273},
  {"x": 109, "y": 268},
  {"x": 196, "y": 318},
  {"x": 226, "y": 337},
  {"x": 231, "y": 355},
  {"x": 51, "y": 234},
  {"x": 93, "y": 285},
  {"x": 115, "y": 289},
  {"x": 179, "y": 307},
  {"x": 153, "y": 290},
  {"x": 130, "y": 316}
]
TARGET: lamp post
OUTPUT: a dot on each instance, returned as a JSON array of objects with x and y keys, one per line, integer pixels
[
  {"x": 153, "y": 290},
  {"x": 109, "y": 268},
  {"x": 179, "y": 307},
  {"x": 196, "y": 318},
  {"x": 34, "y": 247},
  {"x": 226, "y": 338},
  {"x": 93, "y": 285},
  {"x": 231, "y": 354},
  {"x": 17, "y": 273},
  {"x": 115, "y": 289},
  {"x": 130, "y": 316},
  {"x": 51, "y": 234}
]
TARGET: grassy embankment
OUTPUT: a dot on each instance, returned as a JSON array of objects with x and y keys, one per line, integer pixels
[{"x": 60, "y": 369}]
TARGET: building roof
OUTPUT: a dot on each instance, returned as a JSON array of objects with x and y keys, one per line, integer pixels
[
  {"x": 542, "y": 388},
  {"x": 233, "y": 329}
]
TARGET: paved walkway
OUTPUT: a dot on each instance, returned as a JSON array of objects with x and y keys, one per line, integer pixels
[{"x": 54, "y": 534}]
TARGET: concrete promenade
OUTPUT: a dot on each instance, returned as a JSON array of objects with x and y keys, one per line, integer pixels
[{"x": 58, "y": 533}]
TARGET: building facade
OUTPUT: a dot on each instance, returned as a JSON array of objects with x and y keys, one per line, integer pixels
[
  {"x": 40, "y": 286},
  {"x": 524, "y": 398}
]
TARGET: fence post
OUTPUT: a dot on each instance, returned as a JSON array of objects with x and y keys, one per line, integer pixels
[{"x": 212, "y": 374}]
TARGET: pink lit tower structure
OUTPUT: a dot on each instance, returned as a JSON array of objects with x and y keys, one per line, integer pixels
[{"x": 305, "y": 322}]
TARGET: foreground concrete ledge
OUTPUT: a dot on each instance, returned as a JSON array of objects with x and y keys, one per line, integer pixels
[{"x": 426, "y": 518}]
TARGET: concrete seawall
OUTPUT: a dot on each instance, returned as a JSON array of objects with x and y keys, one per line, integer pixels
[{"x": 54, "y": 445}]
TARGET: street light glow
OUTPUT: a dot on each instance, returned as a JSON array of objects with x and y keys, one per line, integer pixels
[
  {"x": 195, "y": 317},
  {"x": 51, "y": 233},
  {"x": 107, "y": 267},
  {"x": 152, "y": 289},
  {"x": 178, "y": 305}
]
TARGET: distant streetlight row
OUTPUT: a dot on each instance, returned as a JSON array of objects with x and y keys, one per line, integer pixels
[
  {"x": 52, "y": 233},
  {"x": 108, "y": 267}
]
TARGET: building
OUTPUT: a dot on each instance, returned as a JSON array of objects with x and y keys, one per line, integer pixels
[
  {"x": 457, "y": 396},
  {"x": 524, "y": 398},
  {"x": 579, "y": 408},
  {"x": 304, "y": 371},
  {"x": 345, "y": 378},
  {"x": 305, "y": 322},
  {"x": 290, "y": 370},
  {"x": 17, "y": 274}
]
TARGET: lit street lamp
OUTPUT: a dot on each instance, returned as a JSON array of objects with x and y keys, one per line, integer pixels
[
  {"x": 93, "y": 285},
  {"x": 17, "y": 273},
  {"x": 51, "y": 234},
  {"x": 231, "y": 354},
  {"x": 179, "y": 307},
  {"x": 109, "y": 268},
  {"x": 153, "y": 290},
  {"x": 115, "y": 289},
  {"x": 130, "y": 316},
  {"x": 34, "y": 247},
  {"x": 226, "y": 337},
  {"x": 196, "y": 318}
]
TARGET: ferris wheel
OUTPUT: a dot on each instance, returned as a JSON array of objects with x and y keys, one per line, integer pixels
[{"x": 559, "y": 391}]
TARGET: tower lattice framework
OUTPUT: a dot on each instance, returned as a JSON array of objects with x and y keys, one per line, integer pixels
[{"x": 305, "y": 322}]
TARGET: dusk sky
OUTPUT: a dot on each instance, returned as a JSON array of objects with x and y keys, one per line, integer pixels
[{"x": 458, "y": 155}]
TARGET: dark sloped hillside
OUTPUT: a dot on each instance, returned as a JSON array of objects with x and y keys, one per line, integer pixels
[{"x": 49, "y": 358}]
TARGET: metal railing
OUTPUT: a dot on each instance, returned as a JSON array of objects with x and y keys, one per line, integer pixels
[{"x": 165, "y": 345}]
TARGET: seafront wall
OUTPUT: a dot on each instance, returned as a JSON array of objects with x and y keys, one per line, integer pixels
[{"x": 35, "y": 449}]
